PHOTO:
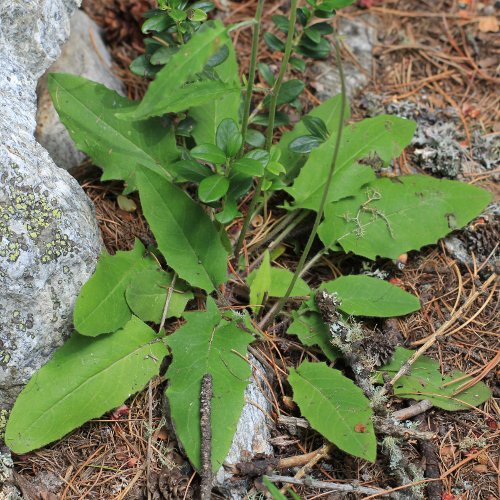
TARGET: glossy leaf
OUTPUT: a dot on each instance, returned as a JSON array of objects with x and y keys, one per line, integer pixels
[
  {"x": 316, "y": 126},
  {"x": 289, "y": 91},
  {"x": 335, "y": 407},
  {"x": 228, "y": 137},
  {"x": 248, "y": 167},
  {"x": 185, "y": 235},
  {"x": 189, "y": 170},
  {"x": 207, "y": 345},
  {"x": 329, "y": 113},
  {"x": 147, "y": 293},
  {"x": 188, "y": 61},
  {"x": 213, "y": 188},
  {"x": 255, "y": 138},
  {"x": 367, "y": 296},
  {"x": 305, "y": 144},
  {"x": 404, "y": 214},
  {"x": 101, "y": 306},
  {"x": 83, "y": 380},
  {"x": 210, "y": 153},
  {"x": 426, "y": 382},
  {"x": 273, "y": 42},
  {"x": 87, "y": 109},
  {"x": 384, "y": 135}
]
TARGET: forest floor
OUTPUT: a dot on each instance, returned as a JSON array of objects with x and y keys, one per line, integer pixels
[{"x": 430, "y": 59}]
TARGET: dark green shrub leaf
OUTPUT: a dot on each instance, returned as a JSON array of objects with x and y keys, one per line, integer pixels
[
  {"x": 255, "y": 138},
  {"x": 426, "y": 382},
  {"x": 101, "y": 306},
  {"x": 147, "y": 293},
  {"x": 385, "y": 136},
  {"x": 83, "y": 380},
  {"x": 316, "y": 126},
  {"x": 210, "y": 153},
  {"x": 261, "y": 155},
  {"x": 228, "y": 213},
  {"x": 393, "y": 216},
  {"x": 281, "y": 22},
  {"x": 228, "y": 137},
  {"x": 305, "y": 144},
  {"x": 88, "y": 109},
  {"x": 281, "y": 119},
  {"x": 177, "y": 15},
  {"x": 162, "y": 55},
  {"x": 298, "y": 63},
  {"x": 142, "y": 67},
  {"x": 322, "y": 28},
  {"x": 219, "y": 57},
  {"x": 213, "y": 188},
  {"x": 367, "y": 296},
  {"x": 329, "y": 113},
  {"x": 313, "y": 35},
  {"x": 308, "y": 48},
  {"x": 289, "y": 91},
  {"x": 159, "y": 22},
  {"x": 185, "y": 235},
  {"x": 197, "y": 15},
  {"x": 335, "y": 407},
  {"x": 248, "y": 167},
  {"x": 311, "y": 330},
  {"x": 273, "y": 42},
  {"x": 188, "y": 61},
  {"x": 267, "y": 73},
  {"x": 205, "y": 344}
]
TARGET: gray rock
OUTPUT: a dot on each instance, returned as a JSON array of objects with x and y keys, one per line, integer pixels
[
  {"x": 359, "y": 35},
  {"x": 84, "y": 54},
  {"x": 252, "y": 434},
  {"x": 49, "y": 239}
]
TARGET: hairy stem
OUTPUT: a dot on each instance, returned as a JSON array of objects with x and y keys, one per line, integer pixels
[
  {"x": 251, "y": 72},
  {"x": 272, "y": 115},
  {"x": 319, "y": 215}
]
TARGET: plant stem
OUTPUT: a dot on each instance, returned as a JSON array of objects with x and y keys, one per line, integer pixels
[
  {"x": 272, "y": 115},
  {"x": 251, "y": 72},
  {"x": 319, "y": 215}
]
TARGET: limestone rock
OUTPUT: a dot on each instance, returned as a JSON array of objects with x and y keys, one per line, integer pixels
[
  {"x": 84, "y": 54},
  {"x": 49, "y": 239},
  {"x": 359, "y": 36}
]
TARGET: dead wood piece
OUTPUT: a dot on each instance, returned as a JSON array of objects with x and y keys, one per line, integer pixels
[
  {"x": 412, "y": 411},
  {"x": 206, "y": 437},
  {"x": 431, "y": 456},
  {"x": 324, "y": 485}
]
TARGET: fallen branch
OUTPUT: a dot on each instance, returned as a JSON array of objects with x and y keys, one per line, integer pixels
[
  {"x": 412, "y": 410},
  {"x": 324, "y": 485}
]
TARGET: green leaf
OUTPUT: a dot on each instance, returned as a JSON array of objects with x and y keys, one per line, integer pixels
[
  {"x": 393, "y": 216},
  {"x": 101, "y": 306},
  {"x": 305, "y": 144},
  {"x": 426, "y": 382},
  {"x": 196, "y": 94},
  {"x": 228, "y": 137},
  {"x": 335, "y": 407},
  {"x": 185, "y": 235},
  {"x": 329, "y": 113},
  {"x": 273, "y": 42},
  {"x": 209, "y": 115},
  {"x": 197, "y": 15},
  {"x": 311, "y": 330},
  {"x": 367, "y": 296},
  {"x": 188, "y": 61},
  {"x": 177, "y": 15},
  {"x": 147, "y": 293},
  {"x": 88, "y": 109},
  {"x": 255, "y": 138},
  {"x": 267, "y": 73},
  {"x": 210, "y": 153},
  {"x": 280, "y": 281},
  {"x": 248, "y": 167},
  {"x": 289, "y": 91},
  {"x": 260, "y": 283},
  {"x": 316, "y": 126},
  {"x": 275, "y": 492},
  {"x": 157, "y": 23},
  {"x": 84, "y": 379},
  {"x": 229, "y": 212},
  {"x": 383, "y": 135},
  {"x": 207, "y": 345},
  {"x": 189, "y": 170},
  {"x": 213, "y": 188}
]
